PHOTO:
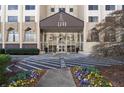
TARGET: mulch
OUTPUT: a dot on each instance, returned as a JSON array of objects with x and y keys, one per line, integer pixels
[{"x": 115, "y": 74}]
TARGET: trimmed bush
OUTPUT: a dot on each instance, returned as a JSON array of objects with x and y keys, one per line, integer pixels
[
  {"x": 2, "y": 51},
  {"x": 4, "y": 60},
  {"x": 23, "y": 51}
]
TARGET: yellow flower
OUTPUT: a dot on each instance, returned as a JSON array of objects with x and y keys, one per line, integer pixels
[{"x": 110, "y": 84}]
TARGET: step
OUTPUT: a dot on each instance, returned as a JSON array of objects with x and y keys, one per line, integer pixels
[
  {"x": 39, "y": 65},
  {"x": 25, "y": 66},
  {"x": 48, "y": 61},
  {"x": 81, "y": 63},
  {"x": 19, "y": 67},
  {"x": 57, "y": 64}
]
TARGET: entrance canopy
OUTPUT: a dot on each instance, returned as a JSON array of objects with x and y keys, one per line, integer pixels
[{"x": 61, "y": 21}]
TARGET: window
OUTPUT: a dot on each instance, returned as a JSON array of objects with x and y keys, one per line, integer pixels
[
  {"x": 61, "y": 9},
  {"x": 71, "y": 9},
  {"x": 93, "y": 7},
  {"x": 13, "y": 35},
  {"x": 94, "y": 36},
  {"x": 52, "y": 9},
  {"x": 30, "y": 35},
  {"x": 62, "y": 23},
  {"x": 29, "y": 18},
  {"x": 12, "y": 19},
  {"x": 12, "y": 7},
  {"x": 110, "y": 7},
  {"x": 93, "y": 18},
  {"x": 30, "y": 7},
  {"x": 122, "y": 7}
]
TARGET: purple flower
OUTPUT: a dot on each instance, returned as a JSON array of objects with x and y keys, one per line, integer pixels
[
  {"x": 84, "y": 82},
  {"x": 77, "y": 74}
]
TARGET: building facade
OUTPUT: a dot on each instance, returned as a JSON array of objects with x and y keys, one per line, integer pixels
[{"x": 57, "y": 28}]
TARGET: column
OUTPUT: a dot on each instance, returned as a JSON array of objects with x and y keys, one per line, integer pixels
[
  {"x": 21, "y": 37},
  {"x": 3, "y": 25},
  {"x": 42, "y": 41},
  {"x": 38, "y": 26},
  {"x": 80, "y": 41},
  {"x": 66, "y": 41}
]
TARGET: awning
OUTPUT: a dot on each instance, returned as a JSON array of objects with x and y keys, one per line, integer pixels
[{"x": 61, "y": 21}]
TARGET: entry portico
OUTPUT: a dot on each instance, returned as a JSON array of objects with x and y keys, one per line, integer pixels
[{"x": 61, "y": 32}]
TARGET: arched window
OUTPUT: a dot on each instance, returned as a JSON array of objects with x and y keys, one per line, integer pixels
[
  {"x": 30, "y": 36},
  {"x": 13, "y": 35},
  {"x": 93, "y": 35}
]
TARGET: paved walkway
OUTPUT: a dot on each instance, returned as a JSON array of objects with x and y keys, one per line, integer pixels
[{"x": 57, "y": 78}]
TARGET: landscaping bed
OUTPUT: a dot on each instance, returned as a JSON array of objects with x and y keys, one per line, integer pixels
[
  {"x": 26, "y": 78},
  {"x": 22, "y": 78},
  {"x": 89, "y": 77},
  {"x": 17, "y": 78},
  {"x": 114, "y": 73}
]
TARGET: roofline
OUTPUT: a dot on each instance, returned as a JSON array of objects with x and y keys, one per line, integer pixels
[{"x": 61, "y": 12}]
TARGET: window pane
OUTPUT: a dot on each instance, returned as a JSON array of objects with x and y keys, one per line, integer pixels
[
  {"x": 61, "y": 9},
  {"x": 93, "y": 7},
  {"x": 30, "y": 7},
  {"x": 12, "y": 18},
  {"x": 93, "y": 18},
  {"x": 122, "y": 7},
  {"x": 71, "y": 9},
  {"x": 12, "y": 7},
  {"x": 29, "y": 18},
  {"x": 52, "y": 9},
  {"x": 13, "y": 36},
  {"x": 30, "y": 36},
  {"x": 110, "y": 7}
]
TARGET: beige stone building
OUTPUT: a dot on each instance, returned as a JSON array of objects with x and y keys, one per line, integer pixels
[{"x": 57, "y": 28}]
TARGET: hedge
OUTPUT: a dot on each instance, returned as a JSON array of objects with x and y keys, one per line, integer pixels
[{"x": 23, "y": 51}]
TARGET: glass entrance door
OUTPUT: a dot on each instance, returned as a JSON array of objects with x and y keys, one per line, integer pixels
[
  {"x": 61, "y": 48},
  {"x": 62, "y": 42}
]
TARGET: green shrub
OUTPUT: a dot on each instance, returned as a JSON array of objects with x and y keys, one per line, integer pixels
[
  {"x": 2, "y": 51},
  {"x": 20, "y": 76},
  {"x": 23, "y": 51},
  {"x": 4, "y": 59}
]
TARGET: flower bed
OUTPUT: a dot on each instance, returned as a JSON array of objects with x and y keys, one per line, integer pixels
[
  {"x": 89, "y": 77},
  {"x": 26, "y": 79}
]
